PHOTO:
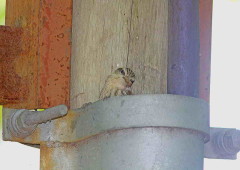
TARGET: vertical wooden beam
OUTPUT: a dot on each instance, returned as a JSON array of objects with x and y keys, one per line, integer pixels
[
  {"x": 183, "y": 59},
  {"x": 100, "y": 45},
  {"x": 118, "y": 33},
  {"x": 40, "y": 73},
  {"x": 205, "y": 14},
  {"x": 148, "y": 46}
]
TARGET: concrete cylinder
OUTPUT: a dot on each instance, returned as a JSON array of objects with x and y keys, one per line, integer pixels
[{"x": 143, "y": 132}]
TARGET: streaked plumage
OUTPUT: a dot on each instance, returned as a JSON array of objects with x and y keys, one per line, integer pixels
[{"x": 118, "y": 83}]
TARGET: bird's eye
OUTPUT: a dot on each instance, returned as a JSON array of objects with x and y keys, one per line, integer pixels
[
  {"x": 122, "y": 72},
  {"x": 132, "y": 81}
]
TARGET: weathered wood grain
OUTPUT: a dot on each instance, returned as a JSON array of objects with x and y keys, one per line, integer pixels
[
  {"x": 148, "y": 46},
  {"x": 100, "y": 45},
  {"x": 114, "y": 33}
]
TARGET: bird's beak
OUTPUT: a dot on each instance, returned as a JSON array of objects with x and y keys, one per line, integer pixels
[{"x": 129, "y": 84}]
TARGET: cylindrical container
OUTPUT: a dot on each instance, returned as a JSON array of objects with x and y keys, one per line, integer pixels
[{"x": 141, "y": 132}]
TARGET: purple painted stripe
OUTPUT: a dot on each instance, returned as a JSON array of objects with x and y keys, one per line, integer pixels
[{"x": 183, "y": 59}]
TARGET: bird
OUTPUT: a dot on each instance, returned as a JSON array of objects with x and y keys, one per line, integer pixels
[{"x": 119, "y": 83}]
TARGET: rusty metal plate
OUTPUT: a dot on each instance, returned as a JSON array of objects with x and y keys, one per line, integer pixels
[
  {"x": 54, "y": 52},
  {"x": 35, "y": 60},
  {"x": 14, "y": 86}
]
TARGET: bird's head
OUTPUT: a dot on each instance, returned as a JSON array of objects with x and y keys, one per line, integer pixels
[{"x": 124, "y": 77}]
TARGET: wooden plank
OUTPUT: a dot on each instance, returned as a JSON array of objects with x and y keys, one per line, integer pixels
[
  {"x": 100, "y": 45},
  {"x": 148, "y": 46},
  {"x": 44, "y": 67},
  {"x": 104, "y": 38},
  {"x": 205, "y": 14}
]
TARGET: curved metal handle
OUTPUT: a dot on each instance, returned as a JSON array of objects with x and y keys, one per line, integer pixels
[{"x": 22, "y": 123}]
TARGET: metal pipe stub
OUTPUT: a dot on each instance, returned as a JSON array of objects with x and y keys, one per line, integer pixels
[
  {"x": 224, "y": 144},
  {"x": 23, "y": 122}
]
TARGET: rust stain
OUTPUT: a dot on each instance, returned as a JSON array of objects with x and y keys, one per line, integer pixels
[
  {"x": 55, "y": 51},
  {"x": 64, "y": 127},
  {"x": 13, "y": 83},
  {"x": 35, "y": 58},
  {"x": 46, "y": 160},
  {"x": 21, "y": 69},
  {"x": 34, "y": 138}
]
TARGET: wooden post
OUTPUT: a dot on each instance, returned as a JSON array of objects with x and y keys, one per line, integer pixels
[{"x": 118, "y": 33}]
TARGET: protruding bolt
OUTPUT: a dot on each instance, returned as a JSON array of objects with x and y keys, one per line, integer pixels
[
  {"x": 33, "y": 118},
  {"x": 23, "y": 122},
  {"x": 236, "y": 139},
  {"x": 227, "y": 142}
]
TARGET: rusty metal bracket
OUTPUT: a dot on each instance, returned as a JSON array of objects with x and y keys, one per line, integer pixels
[
  {"x": 22, "y": 123},
  {"x": 224, "y": 144},
  {"x": 35, "y": 52}
]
